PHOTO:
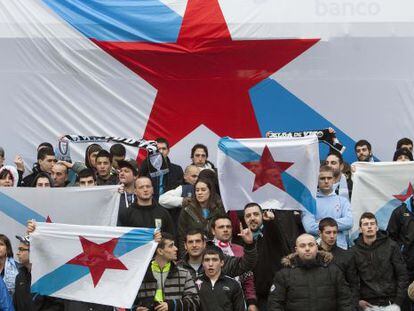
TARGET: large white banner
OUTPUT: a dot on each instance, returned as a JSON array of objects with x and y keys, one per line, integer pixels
[
  {"x": 379, "y": 188},
  {"x": 71, "y": 205},
  {"x": 194, "y": 71},
  {"x": 103, "y": 265}
]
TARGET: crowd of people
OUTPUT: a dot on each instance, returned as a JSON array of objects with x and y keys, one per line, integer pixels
[{"x": 210, "y": 259}]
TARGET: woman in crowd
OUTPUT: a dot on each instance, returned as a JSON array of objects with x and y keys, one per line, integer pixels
[
  {"x": 90, "y": 156},
  {"x": 42, "y": 180},
  {"x": 8, "y": 266},
  {"x": 204, "y": 206},
  {"x": 8, "y": 176}
]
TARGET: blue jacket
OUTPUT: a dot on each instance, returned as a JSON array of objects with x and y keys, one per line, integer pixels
[
  {"x": 331, "y": 205},
  {"x": 5, "y": 300}
]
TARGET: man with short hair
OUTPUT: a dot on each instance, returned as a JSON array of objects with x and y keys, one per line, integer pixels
[
  {"x": 272, "y": 246},
  {"x": 199, "y": 157},
  {"x": 166, "y": 286},
  {"x": 118, "y": 153},
  {"x": 309, "y": 281},
  {"x": 128, "y": 173},
  {"x": 146, "y": 212},
  {"x": 167, "y": 181},
  {"x": 363, "y": 151},
  {"x": 23, "y": 299},
  {"x": 341, "y": 185},
  {"x": 344, "y": 259},
  {"x": 222, "y": 230},
  {"x": 175, "y": 199},
  {"x": 60, "y": 175},
  {"x": 105, "y": 175},
  {"x": 405, "y": 143},
  {"x": 45, "y": 161},
  {"x": 381, "y": 269},
  {"x": 87, "y": 178},
  {"x": 329, "y": 204},
  {"x": 217, "y": 291}
]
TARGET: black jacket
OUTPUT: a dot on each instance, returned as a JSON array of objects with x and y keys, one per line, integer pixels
[
  {"x": 272, "y": 246},
  {"x": 28, "y": 180},
  {"x": 171, "y": 180},
  {"x": 345, "y": 261},
  {"x": 401, "y": 230},
  {"x": 316, "y": 286},
  {"x": 381, "y": 270},
  {"x": 23, "y": 300},
  {"x": 225, "y": 295},
  {"x": 70, "y": 305},
  {"x": 146, "y": 217}
]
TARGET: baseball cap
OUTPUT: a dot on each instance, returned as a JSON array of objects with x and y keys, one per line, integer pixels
[{"x": 24, "y": 239}]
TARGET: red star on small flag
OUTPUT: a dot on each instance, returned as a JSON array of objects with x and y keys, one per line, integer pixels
[
  {"x": 267, "y": 170},
  {"x": 98, "y": 258},
  {"x": 48, "y": 219},
  {"x": 404, "y": 197}
]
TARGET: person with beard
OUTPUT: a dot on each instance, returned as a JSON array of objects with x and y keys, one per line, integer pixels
[
  {"x": 309, "y": 281},
  {"x": 272, "y": 246},
  {"x": 341, "y": 185},
  {"x": 380, "y": 267},
  {"x": 363, "y": 151}
]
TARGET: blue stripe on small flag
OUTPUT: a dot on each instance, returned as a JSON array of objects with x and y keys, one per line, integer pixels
[
  {"x": 17, "y": 211},
  {"x": 68, "y": 273},
  {"x": 115, "y": 20},
  {"x": 297, "y": 190}
]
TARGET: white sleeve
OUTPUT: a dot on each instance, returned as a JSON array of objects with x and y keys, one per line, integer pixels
[{"x": 172, "y": 198}]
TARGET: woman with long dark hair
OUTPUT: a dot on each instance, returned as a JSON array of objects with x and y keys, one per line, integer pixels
[
  {"x": 8, "y": 266},
  {"x": 204, "y": 206}
]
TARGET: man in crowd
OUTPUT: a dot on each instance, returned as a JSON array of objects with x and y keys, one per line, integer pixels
[
  {"x": 118, "y": 153},
  {"x": 381, "y": 269},
  {"x": 328, "y": 233},
  {"x": 195, "y": 244},
  {"x": 59, "y": 175},
  {"x": 405, "y": 143},
  {"x": 45, "y": 162},
  {"x": 309, "y": 281},
  {"x": 216, "y": 290},
  {"x": 363, "y": 151},
  {"x": 329, "y": 204},
  {"x": 23, "y": 299},
  {"x": 199, "y": 157},
  {"x": 105, "y": 175},
  {"x": 128, "y": 173},
  {"x": 341, "y": 185},
  {"x": 401, "y": 230},
  {"x": 87, "y": 178},
  {"x": 165, "y": 285},
  {"x": 272, "y": 246},
  {"x": 181, "y": 196},
  {"x": 146, "y": 212},
  {"x": 222, "y": 230},
  {"x": 167, "y": 181}
]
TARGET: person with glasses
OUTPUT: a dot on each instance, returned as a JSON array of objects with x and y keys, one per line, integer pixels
[{"x": 23, "y": 299}]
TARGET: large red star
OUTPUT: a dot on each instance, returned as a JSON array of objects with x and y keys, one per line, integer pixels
[
  {"x": 205, "y": 77},
  {"x": 267, "y": 170},
  {"x": 404, "y": 197},
  {"x": 98, "y": 258}
]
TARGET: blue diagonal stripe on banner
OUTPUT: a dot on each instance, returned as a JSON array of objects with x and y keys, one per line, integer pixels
[
  {"x": 17, "y": 211},
  {"x": 297, "y": 190},
  {"x": 68, "y": 273}
]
